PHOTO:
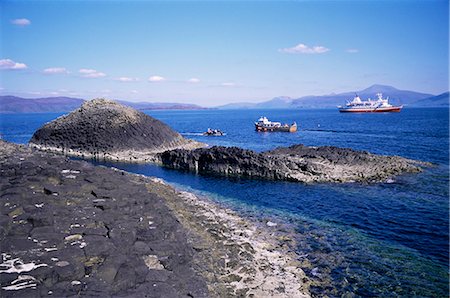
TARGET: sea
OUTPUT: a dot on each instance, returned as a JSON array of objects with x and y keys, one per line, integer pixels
[{"x": 387, "y": 239}]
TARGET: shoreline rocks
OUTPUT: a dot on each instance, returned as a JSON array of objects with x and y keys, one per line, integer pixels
[
  {"x": 69, "y": 228},
  {"x": 104, "y": 129},
  {"x": 297, "y": 163}
]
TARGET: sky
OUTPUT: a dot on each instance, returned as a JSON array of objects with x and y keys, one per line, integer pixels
[{"x": 216, "y": 52}]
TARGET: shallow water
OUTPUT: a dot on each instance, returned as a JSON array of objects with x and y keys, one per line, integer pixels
[{"x": 372, "y": 240}]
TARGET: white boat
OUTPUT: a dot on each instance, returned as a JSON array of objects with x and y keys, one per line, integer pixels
[
  {"x": 380, "y": 105},
  {"x": 213, "y": 132},
  {"x": 264, "y": 124}
]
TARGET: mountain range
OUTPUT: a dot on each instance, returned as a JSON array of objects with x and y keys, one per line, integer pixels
[
  {"x": 14, "y": 104},
  {"x": 396, "y": 96},
  {"x": 441, "y": 100}
]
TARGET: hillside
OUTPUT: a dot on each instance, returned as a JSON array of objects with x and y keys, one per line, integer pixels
[
  {"x": 441, "y": 100},
  {"x": 161, "y": 105},
  {"x": 13, "y": 104},
  {"x": 395, "y": 95}
]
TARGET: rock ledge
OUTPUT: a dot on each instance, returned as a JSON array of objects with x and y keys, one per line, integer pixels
[{"x": 295, "y": 163}]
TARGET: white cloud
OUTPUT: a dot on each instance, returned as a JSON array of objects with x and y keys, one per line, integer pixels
[
  {"x": 228, "y": 84},
  {"x": 194, "y": 80},
  {"x": 91, "y": 73},
  {"x": 304, "y": 49},
  {"x": 352, "y": 51},
  {"x": 21, "y": 22},
  {"x": 11, "y": 65},
  {"x": 156, "y": 79},
  {"x": 134, "y": 91},
  {"x": 55, "y": 70},
  {"x": 127, "y": 79}
]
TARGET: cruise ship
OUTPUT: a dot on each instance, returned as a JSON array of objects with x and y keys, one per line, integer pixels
[{"x": 379, "y": 105}]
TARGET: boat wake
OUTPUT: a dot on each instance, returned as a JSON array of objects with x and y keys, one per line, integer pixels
[
  {"x": 191, "y": 133},
  {"x": 202, "y": 134}
]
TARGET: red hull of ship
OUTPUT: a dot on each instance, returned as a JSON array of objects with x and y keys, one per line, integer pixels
[{"x": 380, "y": 110}]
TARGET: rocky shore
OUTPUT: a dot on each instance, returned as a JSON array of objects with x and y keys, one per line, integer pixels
[
  {"x": 295, "y": 163},
  {"x": 104, "y": 129},
  {"x": 69, "y": 228}
]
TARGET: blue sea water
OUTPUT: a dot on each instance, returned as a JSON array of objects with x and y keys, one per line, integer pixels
[{"x": 377, "y": 240}]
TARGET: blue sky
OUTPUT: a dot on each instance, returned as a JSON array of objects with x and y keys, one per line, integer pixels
[{"x": 213, "y": 52}]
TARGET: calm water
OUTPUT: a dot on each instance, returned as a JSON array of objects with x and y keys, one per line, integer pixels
[{"x": 386, "y": 240}]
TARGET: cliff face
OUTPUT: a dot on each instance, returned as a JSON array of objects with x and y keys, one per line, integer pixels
[
  {"x": 295, "y": 163},
  {"x": 104, "y": 128}
]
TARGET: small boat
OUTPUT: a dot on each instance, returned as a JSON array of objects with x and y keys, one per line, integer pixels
[
  {"x": 380, "y": 105},
  {"x": 263, "y": 124},
  {"x": 213, "y": 132}
]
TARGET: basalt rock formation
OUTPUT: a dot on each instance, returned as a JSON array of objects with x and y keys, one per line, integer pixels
[
  {"x": 69, "y": 228},
  {"x": 296, "y": 163},
  {"x": 104, "y": 129},
  {"x": 72, "y": 229}
]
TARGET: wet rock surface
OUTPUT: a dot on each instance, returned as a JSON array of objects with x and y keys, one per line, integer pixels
[
  {"x": 239, "y": 257},
  {"x": 71, "y": 229},
  {"x": 104, "y": 129},
  {"x": 295, "y": 163}
]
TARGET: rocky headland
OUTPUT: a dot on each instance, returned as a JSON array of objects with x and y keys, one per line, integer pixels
[
  {"x": 104, "y": 129},
  {"x": 71, "y": 229},
  {"x": 295, "y": 163}
]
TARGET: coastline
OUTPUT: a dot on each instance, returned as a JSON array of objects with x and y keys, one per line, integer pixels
[
  {"x": 83, "y": 229},
  {"x": 254, "y": 260},
  {"x": 127, "y": 156}
]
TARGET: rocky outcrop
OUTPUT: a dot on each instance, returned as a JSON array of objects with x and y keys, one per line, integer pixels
[
  {"x": 104, "y": 129},
  {"x": 296, "y": 163},
  {"x": 71, "y": 229}
]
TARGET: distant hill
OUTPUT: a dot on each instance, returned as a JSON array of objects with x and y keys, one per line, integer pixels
[
  {"x": 441, "y": 100},
  {"x": 161, "y": 105},
  {"x": 396, "y": 96},
  {"x": 14, "y": 104},
  {"x": 238, "y": 105}
]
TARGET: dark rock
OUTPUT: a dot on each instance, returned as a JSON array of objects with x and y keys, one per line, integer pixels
[
  {"x": 99, "y": 246},
  {"x": 295, "y": 163},
  {"x": 84, "y": 244},
  {"x": 101, "y": 127}
]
